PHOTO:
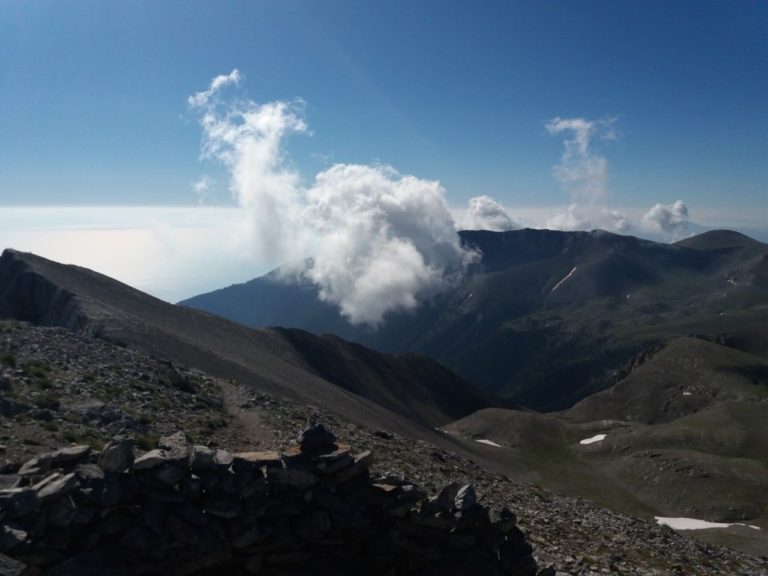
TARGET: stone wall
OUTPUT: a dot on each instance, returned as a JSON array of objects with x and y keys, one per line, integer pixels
[{"x": 184, "y": 509}]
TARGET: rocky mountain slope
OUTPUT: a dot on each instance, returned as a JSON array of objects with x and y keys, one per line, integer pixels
[
  {"x": 572, "y": 535},
  {"x": 48, "y": 293},
  {"x": 546, "y": 318}
]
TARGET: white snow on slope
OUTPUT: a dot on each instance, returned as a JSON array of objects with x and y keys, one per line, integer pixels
[
  {"x": 593, "y": 439},
  {"x": 564, "y": 279},
  {"x": 693, "y": 524},
  {"x": 489, "y": 442}
]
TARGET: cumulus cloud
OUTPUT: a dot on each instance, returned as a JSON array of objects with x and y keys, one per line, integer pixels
[
  {"x": 576, "y": 217},
  {"x": 485, "y": 213},
  {"x": 583, "y": 174},
  {"x": 379, "y": 241},
  {"x": 669, "y": 220}
]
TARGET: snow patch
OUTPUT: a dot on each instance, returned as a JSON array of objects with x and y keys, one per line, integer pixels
[
  {"x": 564, "y": 279},
  {"x": 694, "y": 524},
  {"x": 593, "y": 439},
  {"x": 488, "y": 442}
]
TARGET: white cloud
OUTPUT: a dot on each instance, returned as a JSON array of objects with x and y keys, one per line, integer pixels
[
  {"x": 485, "y": 213},
  {"x": 576, "y": 217},
  {"x": 219, "y": 82},
  {"x": 379, "y": 241},
  {"x": 202, "y": 189},
  {"x": 583, "y": 174},
  {"x": 669, "y": 220}
]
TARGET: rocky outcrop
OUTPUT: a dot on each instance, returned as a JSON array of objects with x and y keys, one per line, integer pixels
[
  {"x": 190, "y": 509},
  {"x": 27, "y": 295}
]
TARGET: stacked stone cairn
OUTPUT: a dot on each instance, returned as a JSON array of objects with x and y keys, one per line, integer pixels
[{"x": 187, "y": 509}]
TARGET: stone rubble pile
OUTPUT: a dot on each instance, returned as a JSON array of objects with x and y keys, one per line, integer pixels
[{"x": 187, "y": 509}]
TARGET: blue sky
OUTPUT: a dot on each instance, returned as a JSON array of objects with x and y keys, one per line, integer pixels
[{"x": 93, "y": 96}]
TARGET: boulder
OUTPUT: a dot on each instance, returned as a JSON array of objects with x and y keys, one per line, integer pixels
[{"x": 117, "y": 456}]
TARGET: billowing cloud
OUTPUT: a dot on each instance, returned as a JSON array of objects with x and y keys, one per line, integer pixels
[
  {"x": 380, "y": 241},
  {"x": 669, "y": 220},
  {"x": 583, "y": 174},
  {"x": 576, "y": 217},
  {"x": 485, "y": 213}
]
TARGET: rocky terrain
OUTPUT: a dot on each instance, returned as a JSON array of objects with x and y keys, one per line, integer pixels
[
  {"x": 57, "y": 387},
  {"x": 574, "y": 536}
]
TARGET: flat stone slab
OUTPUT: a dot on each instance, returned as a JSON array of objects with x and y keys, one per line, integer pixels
[
  {"x": 259, "y": 458},
  {"x": 151, "y": 459}
]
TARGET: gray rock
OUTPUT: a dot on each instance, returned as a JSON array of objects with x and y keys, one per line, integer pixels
[
  {"x": 58, "y": 487},
  {"x": 10, "y": 537},
  {"x": 444, "y": 502},
  {"x": 89, "y": 472},
  {"x": 294, "y": 477},
  {"x": 9, "y": 481},
  {"x": 202, "y": 458},
  {"x": 45, "y": 481},
  {"x": 76, "y": 453},
  {"x": 62, "y": 513},
  {"x": 117, "y": 456},
  {"x": 170, "y": 474},
  {"x": 175, "y": 448},
  {"x": 40, "y": 464},
  {"x": 18, "y": 502},
  {"x": 174, "y": 441},
  {"x": 11, "y": 567},
  {"x": 223, "y": 458},
  {"x": 150, "y": 460},
  {"x": 465, "y": 497}
]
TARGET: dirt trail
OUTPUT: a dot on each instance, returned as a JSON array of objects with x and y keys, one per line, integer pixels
[{"x": 247, "y": 430}]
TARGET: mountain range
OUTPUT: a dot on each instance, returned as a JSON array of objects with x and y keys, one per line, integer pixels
[{"x": 545, "y": 318}]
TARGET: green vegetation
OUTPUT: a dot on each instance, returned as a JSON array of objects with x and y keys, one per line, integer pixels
[
  {"x": 8, "y": 360},
  {"x": 146, "y": 419},
  {"x": 214, "y": 423},
  {"x": 146, "y": 443}
]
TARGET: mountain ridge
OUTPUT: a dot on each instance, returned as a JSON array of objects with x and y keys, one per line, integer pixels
[
  {"x": 518, "y": 326},
  {"x": 44, "y": 292}
]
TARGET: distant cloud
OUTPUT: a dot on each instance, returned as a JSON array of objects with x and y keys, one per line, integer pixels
[
  {"x": 575, "y": 217},
  {"x": 669, "y": 220},
  {"x": 379, "y": 240},
  {"x": 485, "y": 213},
  {"x": 583, "y": 174},
  {"x": 202, "y": 189},
  {"x": 203, "y": 98}
]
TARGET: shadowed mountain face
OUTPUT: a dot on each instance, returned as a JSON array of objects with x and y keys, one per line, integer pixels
[
  {"x": 546, "y": 317},
  {"x": 403, "y": 393}
]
